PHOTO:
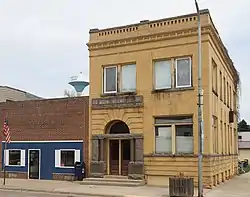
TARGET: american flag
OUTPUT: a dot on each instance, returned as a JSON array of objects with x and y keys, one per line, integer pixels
[{"x": 6, "y": 130}]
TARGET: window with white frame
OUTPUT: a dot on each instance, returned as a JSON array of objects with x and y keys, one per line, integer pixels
[
  {"x": 66, "y": 158},
  {"x": 181, "y": 128},
  {"x": 14, "y": 157},
  {"x": 183, "y": 72},
  {"x": 121, "y": 78},
  {"x": 110, "y": 79},
  {"x": 163, "y": 139},
  {"x": 162, "y": 74}
]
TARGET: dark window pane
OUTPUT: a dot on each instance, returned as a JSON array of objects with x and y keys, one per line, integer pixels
[
  {"x": 184, "y": 130},
  {"x": 110, "y": 79},
  {"x": 15, "y": 157},
  {"x": 67, "y": 158}
]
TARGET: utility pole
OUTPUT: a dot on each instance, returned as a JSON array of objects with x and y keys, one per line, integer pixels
[{"x": 200, "y": 105}]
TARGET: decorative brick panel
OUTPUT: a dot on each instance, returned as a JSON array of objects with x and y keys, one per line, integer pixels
[
  {"x": 63, "y": 177},
  {"x": 16, "y": 175}
]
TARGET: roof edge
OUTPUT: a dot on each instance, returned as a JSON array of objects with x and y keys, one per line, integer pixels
[{"x": 97, "y": 30}]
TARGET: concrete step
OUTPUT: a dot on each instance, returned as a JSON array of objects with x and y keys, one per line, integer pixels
[
  {"x": 116, "y": 177},
  {"x": 112, "y": 182}
]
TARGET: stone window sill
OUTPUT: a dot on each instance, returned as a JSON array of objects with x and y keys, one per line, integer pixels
[
  {"x": 118, "y": 94},
  {"x": 172, "y": 90}
]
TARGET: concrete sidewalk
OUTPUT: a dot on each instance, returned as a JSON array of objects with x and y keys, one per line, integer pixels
[
  {"x": 239, "y": 186},
  {"x": 71, "y": 188}
]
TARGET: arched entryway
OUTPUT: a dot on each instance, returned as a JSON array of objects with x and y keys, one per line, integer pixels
[{"x": 119, "y": 148}]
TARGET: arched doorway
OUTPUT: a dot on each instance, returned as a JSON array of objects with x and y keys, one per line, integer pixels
[{"x": 119, "y": 148}]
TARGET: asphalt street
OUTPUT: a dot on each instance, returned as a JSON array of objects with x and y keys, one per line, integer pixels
[{"x": 29, "y": 194}]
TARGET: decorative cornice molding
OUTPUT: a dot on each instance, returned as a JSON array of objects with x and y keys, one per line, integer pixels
[{"x": 146, "y": 38}]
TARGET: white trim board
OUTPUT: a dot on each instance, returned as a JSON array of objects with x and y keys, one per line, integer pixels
[{"x": 47, "y": 141}]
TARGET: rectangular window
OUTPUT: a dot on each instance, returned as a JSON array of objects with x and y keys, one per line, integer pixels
[
  {"x": 215, "y": 134},
  {"x": 163, "y": 139},
  {"x": 128, "y": 83},
  {"x": 230, "y": 97},
  {"x": 66, "y": 158},
  {"x": 228, "y": 93},
  {"x": 181, "y": 127},
  {"x": 183, "y": 72},
  {"x": 221, "y": 85},
  {"x": 162, "y": 75},
  {"x": 222, "y": 137},
  {"x": 110, "y": 79},
  {"x": 184, "y": 138},
  {"x": 225, "y": 138},
  {"x": 225, "y": 90},
  {"x": 234, "y": 101},
  {"x": 214, "y": 77},
  {"x": 14, "y": 157}
]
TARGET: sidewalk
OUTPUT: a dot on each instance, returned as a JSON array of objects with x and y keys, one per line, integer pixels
[
  {"x": 236, "y": 187},
  {"x": 73, "y": 188}
]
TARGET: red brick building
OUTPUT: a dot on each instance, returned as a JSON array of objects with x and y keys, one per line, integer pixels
[{"x": 47, "y": 137}]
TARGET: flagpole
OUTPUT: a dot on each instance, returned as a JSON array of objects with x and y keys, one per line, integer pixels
[{"x": 4, "y": 167}]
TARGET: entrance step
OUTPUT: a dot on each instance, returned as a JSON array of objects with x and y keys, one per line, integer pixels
[{"x": 113, "y": 181}]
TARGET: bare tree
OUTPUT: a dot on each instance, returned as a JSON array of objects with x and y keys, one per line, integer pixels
[{"x": 68, "y": 93}]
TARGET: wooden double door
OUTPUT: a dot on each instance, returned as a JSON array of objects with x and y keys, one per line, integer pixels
[{"x": 119, "y": 157}]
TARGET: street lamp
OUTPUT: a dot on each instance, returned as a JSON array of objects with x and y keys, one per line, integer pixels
[{"x": 200, "y": 103}]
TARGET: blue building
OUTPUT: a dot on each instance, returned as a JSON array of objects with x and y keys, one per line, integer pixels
[
  {"x": 43, "y": 159},
  {"x": 47, "y": 138}
]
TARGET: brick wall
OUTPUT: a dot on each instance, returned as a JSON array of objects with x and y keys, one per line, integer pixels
[{"x": 50, "y": 119}]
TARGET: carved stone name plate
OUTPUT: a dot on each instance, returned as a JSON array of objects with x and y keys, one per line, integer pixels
[{"x": 117, "y": 102}]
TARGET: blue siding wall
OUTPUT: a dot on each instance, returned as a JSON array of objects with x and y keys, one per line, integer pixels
[{"x": 47, "y": 164}]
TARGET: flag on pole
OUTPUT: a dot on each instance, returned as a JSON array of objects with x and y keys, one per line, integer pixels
[{"x": 6, "y": 131}]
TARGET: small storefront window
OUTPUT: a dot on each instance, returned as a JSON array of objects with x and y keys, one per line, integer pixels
[
  {"x": 67, "y": 158},
  {"x": 14, "y": 157}
]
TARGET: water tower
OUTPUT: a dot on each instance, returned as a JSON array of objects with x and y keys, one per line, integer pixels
[{"x": 79, "y": 83}]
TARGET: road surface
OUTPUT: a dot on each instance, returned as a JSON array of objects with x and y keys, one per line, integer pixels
[{"x": 4, "y": 193}]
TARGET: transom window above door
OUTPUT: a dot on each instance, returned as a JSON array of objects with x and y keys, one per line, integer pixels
[
  {"x": 121, "y": 78},
  {"x": 172, "y": 73}
]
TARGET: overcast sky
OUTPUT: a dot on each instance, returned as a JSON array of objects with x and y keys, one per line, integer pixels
[{"x": 43, "y": 42}]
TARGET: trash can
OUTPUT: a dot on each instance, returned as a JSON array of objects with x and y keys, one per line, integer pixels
[{"x": 79, "y": 171}]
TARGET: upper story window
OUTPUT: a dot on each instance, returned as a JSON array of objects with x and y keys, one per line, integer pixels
[
  {"x": 214, "y": 77},
  {"x": 119, "y": 78},
  {"x": 183, "y": 72},
  {"x": 163, "y": 73},
  {"x": 221, "y": 85}
]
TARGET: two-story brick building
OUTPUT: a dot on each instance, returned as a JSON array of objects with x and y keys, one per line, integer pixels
[
  {"x": 143, "y": 101},
  {"x": 47, "y": 137}
]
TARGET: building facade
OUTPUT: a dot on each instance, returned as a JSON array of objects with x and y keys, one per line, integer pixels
[
  {"x": 47, "y": 137},
  {"x": 244, "y": 144},
  {"x": 143, "y": 101},
  {"x": 12, "y": 94}
]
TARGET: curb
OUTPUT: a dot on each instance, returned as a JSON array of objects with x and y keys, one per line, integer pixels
[{"x": 59, "y": 192}]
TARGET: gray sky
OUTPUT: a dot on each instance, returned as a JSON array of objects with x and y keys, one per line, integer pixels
[{"x": 43, "y": 42}]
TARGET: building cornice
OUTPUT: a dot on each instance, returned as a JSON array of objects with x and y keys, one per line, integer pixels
[{"x": 146, "y": 38}]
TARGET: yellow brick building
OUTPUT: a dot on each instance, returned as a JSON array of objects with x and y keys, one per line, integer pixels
[{"x": 143, "y": 101}]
